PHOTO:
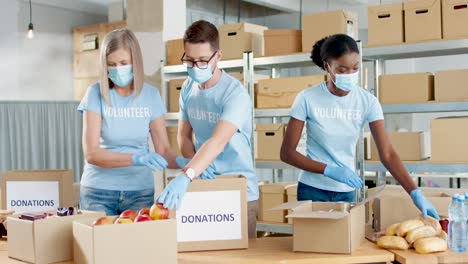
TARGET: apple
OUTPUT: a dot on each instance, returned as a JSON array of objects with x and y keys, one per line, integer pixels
[
  {"x": 144, "y": 211},
  {"x": 158, "y": 212},
  {"x": 121, "y": 220},
  {"x": 103, "y": 221},
  {"x": 128, "y": 214},
  {"x": 143, "y": 218}
]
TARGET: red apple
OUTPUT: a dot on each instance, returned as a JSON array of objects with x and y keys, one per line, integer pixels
[
  {"x": 103, "y": 221},
  {"x": 142, "y": 218},
  {"x": 158, "y": 212},
  {"x": 121, "y": 220},
  {"x": 144, "y": 211},
  {"x": 128, "y": 214}
]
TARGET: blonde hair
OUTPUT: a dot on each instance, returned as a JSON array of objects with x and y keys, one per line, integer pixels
[{"x": 121, "y": 39}]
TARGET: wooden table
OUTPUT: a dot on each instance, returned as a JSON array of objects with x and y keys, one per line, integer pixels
[
  {"x": 264, "y": 250},
  {"x": 447, "y": 257}
]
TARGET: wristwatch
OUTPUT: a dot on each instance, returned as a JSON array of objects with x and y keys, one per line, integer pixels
[{"x": 190, "y": 173}]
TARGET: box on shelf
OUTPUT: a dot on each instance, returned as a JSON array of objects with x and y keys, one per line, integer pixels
[
  {"x": 44, "y": 241},
  {"x": 213, "y": 215},
  {"x": 272, "y": 195},
  {"x": 142, "y": 242},
  {"x": 268, "y": 138},
  {"x": 454, "y": 18},
  {"x": 36, "y": 190},
  {"x": 172, "y": 136},
  {"x": 386, "y": 25},
  {"x": 282, "y": 42},
  {"x": 281, "y": 92},
  {"x": 143, "y": 15},
  {"x": 396, "y": 207},
  {"x": 340, "y": 231},
  {"x": 406, "y": 88},
  {"x": 174, "y": 51},
  {"x": 291, "y": 192},
  {"x": 174, "y": 86},
  {"x": 235, "y": 39},
  {"x": 423, "y": 20},
  {"x": 337, "y": 22},
  {"x": 410, "y": 146},
  {"x": 451, "y": 85},
  {"x": 449, "y": 143}
]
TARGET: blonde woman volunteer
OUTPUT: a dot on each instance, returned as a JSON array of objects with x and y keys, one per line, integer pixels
[{"x": 119, "y": 113}]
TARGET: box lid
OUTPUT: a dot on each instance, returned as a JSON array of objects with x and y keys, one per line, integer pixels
[
  {"x": 451, "y": 117},
  {"x": 386, "y": 8},
  {"x": 282, "y": 32},
  {"x": 411, "y": 5},
  {"x": 275, "y": 187},
  {"x": 291, "y": 189},
  {"x": 246, "y": 27},
  {"x": 269, "y": 127}
]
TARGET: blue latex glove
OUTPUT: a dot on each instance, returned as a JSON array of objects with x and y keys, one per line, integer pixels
[
  {"x": 209, "y": 173},
  {"x": 151, "y": 160},
  {"x": 174, "y": 192},
  {"x": 344, "y": 175},
  {"x": 423, "y": 204}
]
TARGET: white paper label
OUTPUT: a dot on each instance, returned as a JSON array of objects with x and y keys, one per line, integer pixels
[
  {"x": 302, "y": 145},
  {"x": 207, "y": 216},
  {"x": 32, "y": 196}
]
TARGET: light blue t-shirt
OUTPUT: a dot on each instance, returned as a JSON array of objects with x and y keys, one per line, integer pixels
[
  {"x": 125, "y": 129},
  {"x": 333, "y": 126},
  {"x": 228, "y": 100}
]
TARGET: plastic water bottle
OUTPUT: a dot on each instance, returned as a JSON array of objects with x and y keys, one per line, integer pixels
[
  {"x": 457, "y": 225},
  {"x": 451, "y": 216}
]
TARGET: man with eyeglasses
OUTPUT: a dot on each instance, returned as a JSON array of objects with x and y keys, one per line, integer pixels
[{"x": 217, "y": 109}]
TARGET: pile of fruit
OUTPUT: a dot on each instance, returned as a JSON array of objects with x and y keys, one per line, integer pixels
[
  {"x": 426, "y": 236},
  {"x": 156, "y": 212}
]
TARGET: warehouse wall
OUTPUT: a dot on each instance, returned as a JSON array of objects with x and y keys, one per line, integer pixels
[{"x": 41, "y": 68}]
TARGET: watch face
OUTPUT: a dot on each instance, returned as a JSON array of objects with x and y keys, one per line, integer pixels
[{"x": 190, "y": 173}]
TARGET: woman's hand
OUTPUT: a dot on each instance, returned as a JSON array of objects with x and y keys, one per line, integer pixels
[{"x": 151, "y": 160}]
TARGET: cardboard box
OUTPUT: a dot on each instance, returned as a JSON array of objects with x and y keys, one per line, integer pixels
[
  {"x": 213, "y": 215},
  {"x": 86, "y": 64},
  {"x": 144, "y": 15},
  {"x": 272, "y": 195},
  {"x": 172, "y": 136},
  {"x": 235, "y": 39},
  {"x": 44, "y": 241},
  {"x": 282, "y": 42},
  {"x": 406, "y": 88},
  {"x": 398, "y": 207},
  {"x": 386, "y": 25},
  {"x": 36, "y": 190},
  {"x": 455, "y": 19},
  {"x": 451, "y": 85},
  {"x": 281, "y": 92},
  {"x": 174, "y": 87},
  {"x": 143, "y": 242},
  {"x": 339, "y": 231},
  {"x": 410, "y": 146},
  {"x": 449, "y": 143},
  {"x": 268, "y": 138},
  {"x": 174, "y": 51},
  {"x": 423, "y": 20},
  {"x": 291, "y": 192},
  {"x": 332, "y": 22},
  {"x": 81, "y": 85}
]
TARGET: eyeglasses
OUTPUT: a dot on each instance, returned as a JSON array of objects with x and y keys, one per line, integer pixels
[{"x": 200, "y": 64}]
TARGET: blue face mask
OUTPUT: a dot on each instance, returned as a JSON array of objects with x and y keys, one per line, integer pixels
[
  {"x": 346, "y": 82},
  {"x": 200, "y": 75},
  {"x": 120, "y": 75}
]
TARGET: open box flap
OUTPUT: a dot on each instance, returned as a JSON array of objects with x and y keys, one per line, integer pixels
[
  {"x": 318, "y": 214},
  {"x": 295, "y": 206}
]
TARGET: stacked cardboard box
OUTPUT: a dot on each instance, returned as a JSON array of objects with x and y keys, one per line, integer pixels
[
  {"x": 174, "y": 51},
  {"x": 386, "y": 24},
  {"x": 410, "y": 146},
  {"x": 449, "y": 142},
  {"x": 406, "y": 88},
  {"x": 272, "y": 195},
  {"x": 451, "y": 85},
  {"x": 235, "y": 39},
  {"x": 268, "y": 138},
  {"x": 455, "y": 19},
  {"x": 174, "y": 89},
  {"x": 282, "y": 42}
]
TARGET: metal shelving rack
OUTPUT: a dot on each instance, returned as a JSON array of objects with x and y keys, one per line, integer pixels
[{"x": 378, "y": 55}]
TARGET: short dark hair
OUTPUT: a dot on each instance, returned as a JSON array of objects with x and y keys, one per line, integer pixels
[
  {"x": 202, "y": 31},
  {"x": 332, "y": 47}
]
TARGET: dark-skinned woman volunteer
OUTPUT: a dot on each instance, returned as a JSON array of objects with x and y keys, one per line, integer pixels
[
  {"x": 334, "y": 113},
  {"x": 119, "y": 113}
]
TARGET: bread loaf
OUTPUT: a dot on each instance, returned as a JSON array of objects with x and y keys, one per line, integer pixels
[
  {"x": 442, "y": 235},
  {"x": 392, "y": 242},
  {"x": 420, "y": 232},
  {"x": 430, "y": 245},
  {"x": 430, "y": 221},
  {"x": 390, "y": 230},
  {"x": 407, "y": 226}
]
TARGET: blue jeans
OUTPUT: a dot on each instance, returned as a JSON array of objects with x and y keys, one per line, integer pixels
[
  {"x": 114, "y": 202},
  {"x": 306, "y": 192}
]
